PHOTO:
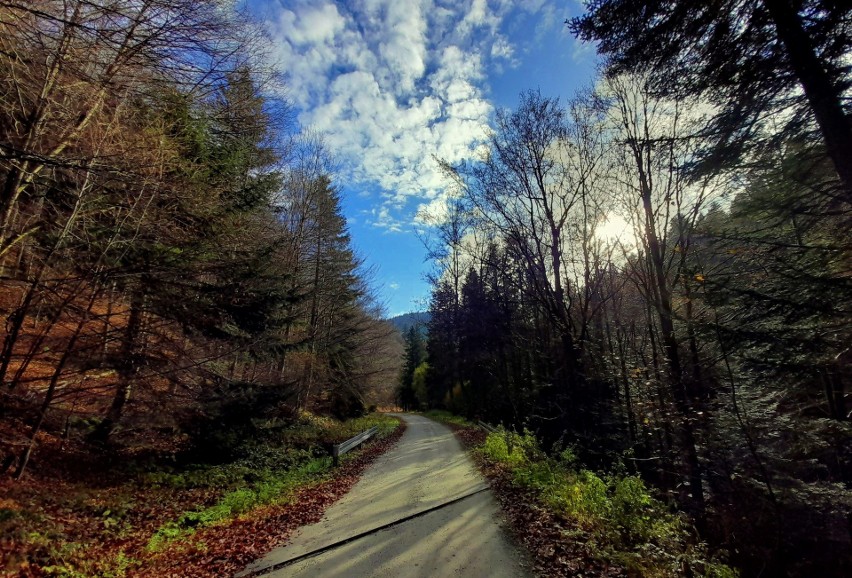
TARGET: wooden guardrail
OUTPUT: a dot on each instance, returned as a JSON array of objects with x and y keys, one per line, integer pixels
[
  {"x": 339, "y": 449},
  {"x": 486, "y": 427}
]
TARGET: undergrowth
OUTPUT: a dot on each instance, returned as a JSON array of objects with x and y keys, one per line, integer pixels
[
  {"x": 267, "y": 475},
  {"x": 613, "y": 513},
  {"x": 626, "y": 524},
  {"x": 447, "y": 417},
  {"x": 62, "y": 534},
  {"x": 270, "y": 487}
]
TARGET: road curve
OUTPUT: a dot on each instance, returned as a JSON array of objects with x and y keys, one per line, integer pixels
[{"x": 427, "y": 468}]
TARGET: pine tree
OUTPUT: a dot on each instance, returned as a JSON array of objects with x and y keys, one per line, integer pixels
[
  {"x": 415, "y": 355},
  {"x": 442, "y": 347},
  {"x": 758, "y": 60}
]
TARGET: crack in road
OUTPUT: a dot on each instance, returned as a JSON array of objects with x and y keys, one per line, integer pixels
[
  {"x": 426, "y": 477},
  {"x": 339, "y": 543}
]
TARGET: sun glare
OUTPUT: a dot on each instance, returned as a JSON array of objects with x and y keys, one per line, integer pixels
[{"x": 615, "y": 228}]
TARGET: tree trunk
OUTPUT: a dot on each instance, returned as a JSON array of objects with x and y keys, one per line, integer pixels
[
  {"x": 823, "y": 93},
  {"x": 15, "y": 322},
  {"x": 37, "y": 343},
  {"x": 105, "y": 337},
  {"x": 698, "y": 391},
  {"x": 51, "y": 388},
  {"x": 128, "y": 367},
  {"x": 628, "y": 398},
  {"x": 662, "y": 290}
]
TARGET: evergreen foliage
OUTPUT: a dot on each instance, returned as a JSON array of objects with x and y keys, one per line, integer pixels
[
  {"x": 162, "y": 227},
  {"x": 708, "y": 351},
  {"x": 415, "y": 356},
  {"x": 760, "y": 61}
]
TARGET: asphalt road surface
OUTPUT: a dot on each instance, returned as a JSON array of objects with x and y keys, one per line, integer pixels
[{"x": 425, "y": 470}]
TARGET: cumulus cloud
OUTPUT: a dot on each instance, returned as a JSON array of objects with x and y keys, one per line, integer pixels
[
  {"x": 393, "y": 84},
  {"x": 313, "y": 25},
  {"x": 435, "y": 211}
]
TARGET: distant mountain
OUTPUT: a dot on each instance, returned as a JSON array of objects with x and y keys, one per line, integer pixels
[{"x": 405, "y": 321}]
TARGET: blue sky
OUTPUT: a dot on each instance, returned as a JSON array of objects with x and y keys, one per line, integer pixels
[{"x": 392, "y": 84}]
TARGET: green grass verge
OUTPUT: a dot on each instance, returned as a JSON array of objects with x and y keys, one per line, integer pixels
[
  {"x": 448, "y": 418},
  {"x": 272, "y": 487},
  {"x": 269, "y": 474},
  {"x": 622, "y": 521}
]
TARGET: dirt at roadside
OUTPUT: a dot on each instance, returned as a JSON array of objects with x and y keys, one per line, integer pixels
[
  {"x": 224, "y": 550},
  {"x": 215, "y": 551}
]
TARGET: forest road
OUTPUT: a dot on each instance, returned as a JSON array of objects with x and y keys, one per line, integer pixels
[{"x": 423, "y": 472}]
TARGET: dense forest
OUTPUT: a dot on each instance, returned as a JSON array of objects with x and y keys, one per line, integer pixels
[
  {"x": 656, "y": 273},
  {"x": 174, "y": 263},
  {"x": 653, "y": 276}
]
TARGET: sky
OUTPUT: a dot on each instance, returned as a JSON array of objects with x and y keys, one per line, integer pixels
[{"x": 391, "y": 85}]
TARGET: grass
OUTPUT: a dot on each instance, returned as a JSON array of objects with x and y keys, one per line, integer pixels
[
  {"x": 448, "y": 418},
  {"x": 73, "y": 529},
  {"x": 268, "y": 474},
  {"x": 271, "y": 487},
  {"x": 625, "y": 524}
]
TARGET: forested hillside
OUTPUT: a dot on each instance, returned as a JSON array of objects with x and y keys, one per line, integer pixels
[
  {"x": 406, "y": 321},
  {"x": 175, "y": 264},
  {"x": 656, "y": 273}
]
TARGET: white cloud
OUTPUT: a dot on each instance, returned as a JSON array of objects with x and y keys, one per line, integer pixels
[
  {"x": 381, "y": 218},
  {"x": 479, "y": 16},
  {"x": 392, "y": 84},
  {"x": 435, "y": 211},
  {"x": 502, "y": 48},
  {"x": 312, "y": 25}
]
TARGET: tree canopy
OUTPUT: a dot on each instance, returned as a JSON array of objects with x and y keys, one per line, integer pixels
[{"x": 763, "y": 63}]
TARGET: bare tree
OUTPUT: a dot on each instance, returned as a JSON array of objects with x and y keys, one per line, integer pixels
[
  {"x": 535, "y": 188},
  {"x": 654, "y": 146}
]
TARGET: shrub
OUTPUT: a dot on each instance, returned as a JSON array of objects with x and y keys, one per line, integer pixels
[
  {"x": 627, "y": 523},
  {"x": 511, "y": 448},
  {"x": 632, "y": 508},
  {"x": 541, "y": 475}
]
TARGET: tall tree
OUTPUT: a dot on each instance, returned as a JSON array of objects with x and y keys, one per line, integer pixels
[
  {"x": 653, "y": 154},
  {"x": 534, "y": 190},
  {"x": 442, "y": 346},
  {"x": 415, "y": 355},
  {"x": 80, "y": 59},
  {"x": 759, "y": 61}
]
